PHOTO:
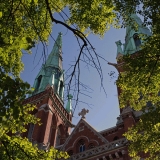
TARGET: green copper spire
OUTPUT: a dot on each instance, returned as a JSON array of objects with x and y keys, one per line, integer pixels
[
  {"x": 133, "y": 39},
  {"x": 51, "y": 73},
  {"x": 69, "y": 104},
  {"x": 55, "y": 57}
]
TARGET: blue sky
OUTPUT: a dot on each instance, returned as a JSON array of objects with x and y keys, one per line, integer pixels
[{"x": 103, "y": 110}]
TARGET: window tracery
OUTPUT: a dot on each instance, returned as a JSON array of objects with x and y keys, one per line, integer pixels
[{"x": 81, "y": 144}]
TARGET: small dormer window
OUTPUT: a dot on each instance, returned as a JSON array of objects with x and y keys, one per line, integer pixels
[{"x": 137, "y": 40}]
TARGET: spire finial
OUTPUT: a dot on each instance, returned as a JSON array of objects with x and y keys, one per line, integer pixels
[
  {"x": 52, "y": 72},
  {"x": 69, "y": 104},
  {"x": 56, "y": 54},
  {"x": 60, "y": 33},
  {"x": 119, "y": 49}
]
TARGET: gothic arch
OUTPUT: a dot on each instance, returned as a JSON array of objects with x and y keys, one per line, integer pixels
[
  {"x": 81, "y": 145},
  {"x": 61, "y": 86},
  {"x": 94, "y": 141},
  {"x": 81, "y": 137},
  {"x": 62, "y": 133},
  {"x": 53, "y": 131},
  {"x": 38, "y": 82},
  {"x": 92, "y": 144}
]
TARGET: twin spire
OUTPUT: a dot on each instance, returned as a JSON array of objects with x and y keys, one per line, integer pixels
[
  {"x": 133, "y": 38},
  {"x": 55, "y": 57},
  {"x": 52, "y": 74}
]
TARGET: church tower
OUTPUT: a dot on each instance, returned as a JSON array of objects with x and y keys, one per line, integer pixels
[
  {"x": 48, "y": 97},
  {"x": 133, "y": 41}
]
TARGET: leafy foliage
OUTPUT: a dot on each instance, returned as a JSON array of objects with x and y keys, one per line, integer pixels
[
  {"x": 145, "y": 135},
  {"x": 92, "y": 16},
  {"x": 140, "y": 81},
  {"x": 24, "y": 23},
  {"x": 16, "y": 147}
]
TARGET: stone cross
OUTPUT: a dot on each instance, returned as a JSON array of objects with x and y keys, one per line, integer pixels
[{"x": 83, "y": 112}]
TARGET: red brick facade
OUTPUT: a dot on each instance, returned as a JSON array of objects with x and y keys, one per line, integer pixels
[
  {"x": 105, "y": 145},
  {"x": 84, "y": 142},
  {"x": 54, "y": 119}
]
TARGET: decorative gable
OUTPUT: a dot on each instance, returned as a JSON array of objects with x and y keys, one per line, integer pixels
[{"x": 83, "y": 137}]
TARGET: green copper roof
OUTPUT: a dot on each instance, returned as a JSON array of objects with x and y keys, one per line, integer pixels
[
  {"x": 134, "y": 28},
  {"x": 56, "y": 53},
  {"x": 51, "y": 73},
  {"x": 69, "y": 104},
  {"x": 130, "y": 46}
]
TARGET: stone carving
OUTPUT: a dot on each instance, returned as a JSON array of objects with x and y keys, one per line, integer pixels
[{"x": 83, "y": 112}]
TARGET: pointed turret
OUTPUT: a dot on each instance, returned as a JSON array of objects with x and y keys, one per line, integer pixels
[
  {"x": 55, "y": 57},
  {"x": 51, "y": 73},
  {"x": 119, "y": 49},
  {"x": 133, "y": 38},
  {"x": 69, "y": 104}
]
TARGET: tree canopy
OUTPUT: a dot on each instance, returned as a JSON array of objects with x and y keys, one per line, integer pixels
[
  {"x": 25, "y": 23},
  {"x": 140, "y": 81}
]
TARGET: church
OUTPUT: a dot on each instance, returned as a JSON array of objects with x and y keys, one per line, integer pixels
[{"x": 84, "y": 142}]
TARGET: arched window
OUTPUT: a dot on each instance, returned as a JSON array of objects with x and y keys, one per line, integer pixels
[
  {"x": 81, "y": 145},
  {"x": 58, "y": 137},
  {"x": 90, "y": 146},
  {"x": 61, "y": 89},
  {"x": 38, "y": 82},
  {"x": 137, "y": 40}
]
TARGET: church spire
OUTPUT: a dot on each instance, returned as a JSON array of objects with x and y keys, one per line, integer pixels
[
  {"x": 51, "y": 73},
  {"x": 133, "y": 37},
  {"x": 55, "y": 57}
]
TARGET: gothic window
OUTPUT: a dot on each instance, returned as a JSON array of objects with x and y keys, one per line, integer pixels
[
  {"x": 61, "y": 89},
  {"x": 81, "y": 144},
  {"x": 58, "y": 137},
  {"x": 38, "y": 82},
  {"x": 90, "y": 146},
  {"x": 137, "y": 40},
  {"x": 57, "y": 73}
]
